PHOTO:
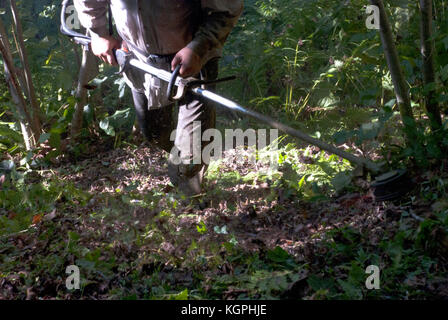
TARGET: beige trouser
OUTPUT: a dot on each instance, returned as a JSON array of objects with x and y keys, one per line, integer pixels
[{"x": 157, "y": 125}]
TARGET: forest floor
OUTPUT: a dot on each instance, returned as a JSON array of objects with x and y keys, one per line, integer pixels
[{"x": 116, "y": 216}]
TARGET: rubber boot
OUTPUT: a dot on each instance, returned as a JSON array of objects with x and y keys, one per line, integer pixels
[{"x": 191, "y": 186}]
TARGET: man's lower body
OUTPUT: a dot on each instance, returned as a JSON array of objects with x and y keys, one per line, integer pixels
[{"x": 195, "y": 116}]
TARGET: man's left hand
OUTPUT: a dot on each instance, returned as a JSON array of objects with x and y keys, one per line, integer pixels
[{"x": 191, "y": 62}]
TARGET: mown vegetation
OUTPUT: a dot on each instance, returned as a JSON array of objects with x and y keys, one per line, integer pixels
[{"x": 99, "y": 197}]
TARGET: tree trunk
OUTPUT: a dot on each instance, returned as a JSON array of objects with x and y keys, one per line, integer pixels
[
  {"x": 17, "y": 97},
  {"x": 30, "y": 132},
  {"x": 428, "y": 51},
  {"x": 399, "y": 82},
  {"x": 88, "y": 70},
  {"x": 27, "y": 134},
  {"x": 37, "y": 116}
]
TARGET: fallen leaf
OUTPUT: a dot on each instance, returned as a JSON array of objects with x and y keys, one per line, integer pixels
[
  {"x": 50, "y": 216},
  {"x": 168, "y": 247},
  {"x": 439, "y": 206},
  {"x": 37, "y": 218}
]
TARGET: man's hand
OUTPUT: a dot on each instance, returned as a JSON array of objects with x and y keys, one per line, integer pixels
[
  {"x": 103, "y": 47},
  {"x": 191, "y": 62}
]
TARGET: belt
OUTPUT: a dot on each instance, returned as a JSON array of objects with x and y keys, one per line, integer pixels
[
  {"x": 155, "y": 58},
  {"x": 151, "y": 58}
]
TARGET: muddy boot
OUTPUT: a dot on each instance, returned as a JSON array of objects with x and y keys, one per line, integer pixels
[
  {"x": 191, "y": 187},
  {"x": 184, "y": 178}
]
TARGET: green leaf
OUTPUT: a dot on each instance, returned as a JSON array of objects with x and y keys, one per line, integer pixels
[
  {"x": 89, "y": 114},
  {"x": 341, "y": 180},
  {"x": 343, "y": 136},
  {"x": 55, "y": 140},
  {"x": 445, "y": 42},
  {"x": 278, "y": 255},
  {"x": 120, "y": 120},
  {"x": 107, "y": 127},
  {"x": 302, "y": 181},
  {"x": 73, "y": 236},
  {"x": 351, "y": 290},
  {"x": 233, "y": 241},
  {"x": 65, "y": 80},
  {"x": 317, "y": 283},
  {"x": 443, "y": 73},
  {"x": 429, "y": 88},
  {"x": 181, "y": 295},
  {"x": 391, "y": 103},
  {"x": 220, "y": 230},
  {"x": 86, "y": 264},
  {"x": 7, "y": 166},
  {"x": 44, "y": 137},
  {"x": 201, "y": 228},
  {"x": 7, "y": 132}
]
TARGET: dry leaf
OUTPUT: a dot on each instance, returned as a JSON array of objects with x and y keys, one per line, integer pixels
[
  {"x": 50, "y": 216},
  {"x": 37, "y": 218}
]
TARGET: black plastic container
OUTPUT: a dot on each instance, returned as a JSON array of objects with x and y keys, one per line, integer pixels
[{"x": 392, "y": 185}]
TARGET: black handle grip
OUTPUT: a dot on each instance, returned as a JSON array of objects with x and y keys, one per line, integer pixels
[
  {"x": 172, "y": 82},
  {"x": 78, "y": 37}
]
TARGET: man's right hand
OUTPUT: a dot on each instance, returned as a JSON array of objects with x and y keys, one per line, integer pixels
[{"x": 103, "y": 48}]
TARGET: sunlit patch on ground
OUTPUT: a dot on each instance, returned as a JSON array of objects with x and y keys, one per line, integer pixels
[{"x": 261, "y": 236}]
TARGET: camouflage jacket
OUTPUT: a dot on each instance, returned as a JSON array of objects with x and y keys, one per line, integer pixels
[{"x": 163, "y": 27}]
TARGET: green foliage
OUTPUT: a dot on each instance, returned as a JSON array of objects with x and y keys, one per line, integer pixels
[
  {"x": 10, "y": 138},
  {"x": 119, "y": 120},
  {"x": 313, "y": 174},
  {"x": 25, "y": 201},
  {"x": 327, "y": 59}
]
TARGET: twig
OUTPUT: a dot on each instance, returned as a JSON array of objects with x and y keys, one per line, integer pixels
[{"x": 416, "y": 217}]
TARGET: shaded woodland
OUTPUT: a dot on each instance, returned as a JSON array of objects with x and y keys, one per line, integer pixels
[{"x": 80, "y": 186}]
